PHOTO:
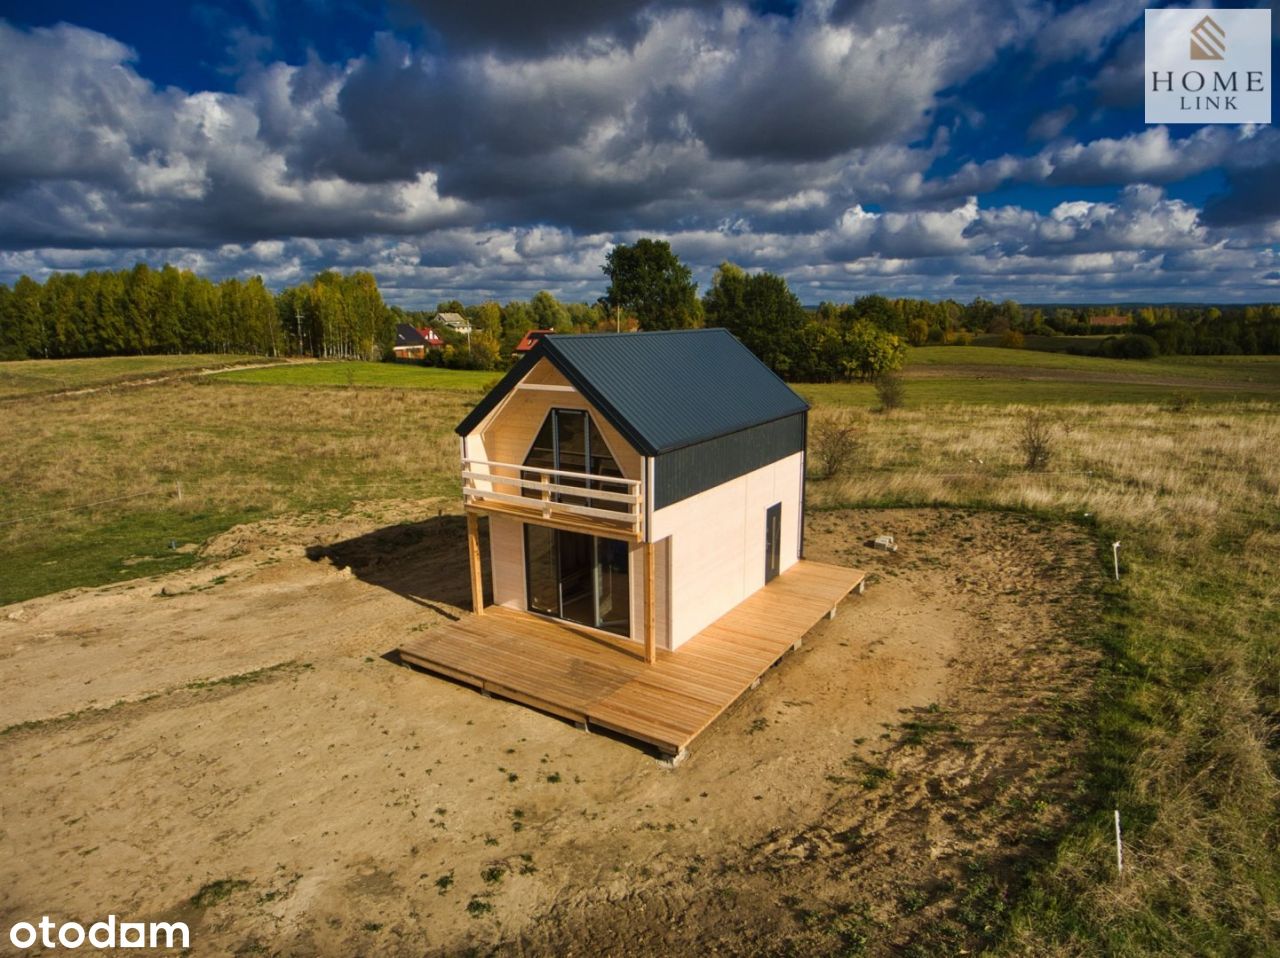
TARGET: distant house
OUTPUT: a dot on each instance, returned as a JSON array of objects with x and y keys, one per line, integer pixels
[
  {"x": 412, "y": 342},
  {"x": 529, "y": 341},
  {"x": 1113, "y": 321},
  {"x": 455, "y": 321}
]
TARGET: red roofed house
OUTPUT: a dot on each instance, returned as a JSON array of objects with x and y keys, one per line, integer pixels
[
  {"x": 529, "y": 341},
  {"x": 412, "y": 343}
]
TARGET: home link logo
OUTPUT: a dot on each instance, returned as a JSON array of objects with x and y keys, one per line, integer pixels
[
  {"x": 47, "y": 933},
  {"x": 1208, "y": 40},
  {"x": 1208, "y": 66}
]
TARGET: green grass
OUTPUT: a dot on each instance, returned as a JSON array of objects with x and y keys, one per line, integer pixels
[
  {"x": 38, "y": 376},
  {"x": 1240, "y": 370},
  {"x": 385, "y": 375},
  {"x": 116, "y": 546},
  {"x": 1049, "y": 344},
  {"x": 239, "y": 451},
  {"x": 244, "y": 453},
  {"x": 1002, "y": 391},
  {"x": 988, "y": 376},
  {"x": 218, "y": 891}
]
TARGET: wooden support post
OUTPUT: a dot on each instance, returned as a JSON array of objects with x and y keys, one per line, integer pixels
[
  {"x": 473, "y": 557},
  {"x": 650, "y": 602}
]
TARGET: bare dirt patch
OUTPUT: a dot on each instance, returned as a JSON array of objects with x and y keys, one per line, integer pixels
[{"x": 880, "y": 788}]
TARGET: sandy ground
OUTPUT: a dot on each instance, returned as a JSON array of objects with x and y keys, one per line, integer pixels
[{"x": 238, "y": 729}]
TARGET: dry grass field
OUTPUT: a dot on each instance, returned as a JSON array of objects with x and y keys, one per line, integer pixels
[
  {"x": 42, "y": 377},
  {"x": 233, "y": 453},
  {"x": 936, "y": 771},
  {"x": 1187, "y": 709}
]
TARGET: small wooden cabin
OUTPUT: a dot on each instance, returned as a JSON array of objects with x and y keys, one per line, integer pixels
[{"x": 638, "y": 485}]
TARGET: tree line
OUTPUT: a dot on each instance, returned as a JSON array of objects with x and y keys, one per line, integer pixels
[
  {"x": 648, "y": 281},
  {"x": 865, "y": 337},
  {"x": 170, "y": 310},
  {"x": 338, "y": 316}
]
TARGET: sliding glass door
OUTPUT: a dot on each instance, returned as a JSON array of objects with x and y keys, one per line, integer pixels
[{"x": 578, "y": 577}]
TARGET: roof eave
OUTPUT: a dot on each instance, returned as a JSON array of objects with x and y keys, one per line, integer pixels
[
  {"x": 542, "y": 350},
  {"x": 595, "y": 397},
  {"x": 498, "y": 393}
]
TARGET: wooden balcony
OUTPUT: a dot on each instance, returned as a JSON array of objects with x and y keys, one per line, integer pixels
[
  {"x": 577, "y": 501},
  {"x": 558, "y": 669}
]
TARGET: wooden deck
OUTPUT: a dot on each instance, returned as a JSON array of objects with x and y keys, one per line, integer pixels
[{"x": 563, "y": 671}]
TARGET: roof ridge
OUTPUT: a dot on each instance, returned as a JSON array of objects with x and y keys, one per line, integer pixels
[
  {"x": 644, "y": 332},
  {"x": 661, "y": 397}
]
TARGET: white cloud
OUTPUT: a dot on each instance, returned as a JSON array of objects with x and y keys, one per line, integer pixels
[
  {"x": 1085, "y": 30},
  {"x": 798, "y": 145}
]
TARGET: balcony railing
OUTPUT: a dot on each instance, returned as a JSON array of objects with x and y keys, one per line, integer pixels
[{"x": 600, "y": 504}]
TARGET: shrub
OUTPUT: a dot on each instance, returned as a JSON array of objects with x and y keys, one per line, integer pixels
[
  {"x": 833, "y": 440},
  {"x": 1035, "y": 438},
  {"x": 917, "y": 332},
  {"x": 1012, "y": 339},
  {"x": 891, "y": 391},
  {"x": 1136, "y": 346},
  {"x": 961, "y": 337}
]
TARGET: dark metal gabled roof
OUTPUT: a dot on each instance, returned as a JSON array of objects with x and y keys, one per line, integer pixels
[
  {"x": 408, "y": 335},
  {"x": 661, "y": 390}
]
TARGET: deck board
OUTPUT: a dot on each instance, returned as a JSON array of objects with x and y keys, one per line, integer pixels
[{"x": 560, "y": 670}]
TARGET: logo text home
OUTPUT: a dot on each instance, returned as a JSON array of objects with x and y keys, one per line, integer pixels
[{"x": 1208, "y": 66}]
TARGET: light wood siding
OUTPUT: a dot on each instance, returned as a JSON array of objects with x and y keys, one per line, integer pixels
[
  {"x": 662, "y": 589},
  {"x": 506, "y": 561},
  {"x": 662, "y": 601},
  {"x": 717, "y": 553},
  {"x": 473, "y": 447},
  {"x": 509, "y": 431}
]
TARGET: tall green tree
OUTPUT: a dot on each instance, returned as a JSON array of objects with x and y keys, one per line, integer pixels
[
  {"x": 761, "y": 311},
  {"x": 648, "y": 280},
  {"x": 517, "y": 319},
  {"x": 549, "y": 312},
  {"x": 26, "y": 324},
  {"x": 870, "y": 351}
]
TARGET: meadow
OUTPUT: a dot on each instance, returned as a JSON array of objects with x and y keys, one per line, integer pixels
[
  {"x": 44, "y": 376},
  {"x": 1223, "y": 370},
  {"x": 1173, "y": 459},
  {"x": 387, "y": 375}
]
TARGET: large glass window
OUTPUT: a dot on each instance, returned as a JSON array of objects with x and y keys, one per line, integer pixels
[
  {"x": 578, "y": 577},
  {"x": 571, "y": 441}
]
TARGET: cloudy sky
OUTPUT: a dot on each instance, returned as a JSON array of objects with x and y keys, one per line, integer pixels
[{"x": 491, "y": 148}]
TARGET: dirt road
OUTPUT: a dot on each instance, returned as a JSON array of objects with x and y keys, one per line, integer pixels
[{"x": 235, "y": 733}]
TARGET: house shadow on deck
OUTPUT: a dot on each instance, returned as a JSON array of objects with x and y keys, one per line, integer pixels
[{"x": 424, "y": 562}]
